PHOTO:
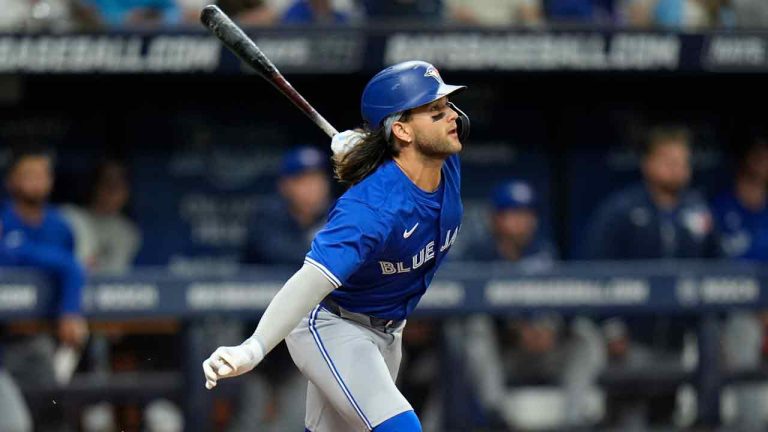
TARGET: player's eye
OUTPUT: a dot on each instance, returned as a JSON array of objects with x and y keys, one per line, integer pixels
[{"x": 439, "y": 116}]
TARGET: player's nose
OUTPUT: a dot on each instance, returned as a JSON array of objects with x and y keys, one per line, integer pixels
[{"x": 452, "y": 115}]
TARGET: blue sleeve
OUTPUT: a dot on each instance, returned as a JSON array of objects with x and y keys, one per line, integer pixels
[
  {"x": 353, "y": 234},
  {"x": 62, "y": 265},
  {"x": 298, "y": 13}
]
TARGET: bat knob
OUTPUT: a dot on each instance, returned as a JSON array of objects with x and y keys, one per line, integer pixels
[{"x": 208, "y": 15}]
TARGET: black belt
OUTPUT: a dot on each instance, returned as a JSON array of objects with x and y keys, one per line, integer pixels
[{"x": 381, "y": 324}]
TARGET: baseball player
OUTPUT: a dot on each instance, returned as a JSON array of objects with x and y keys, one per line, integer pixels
[{"x": 342, "y": 314}]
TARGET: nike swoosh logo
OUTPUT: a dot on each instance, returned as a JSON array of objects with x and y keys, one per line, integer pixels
[{"x": 407, "y": 233}]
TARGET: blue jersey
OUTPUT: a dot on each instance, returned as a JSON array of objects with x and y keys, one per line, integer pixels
[
  {"x": 744, "y": 232},
  {"x": 385, "y": 238},
  {"x": 47, "y": 246},
  {"x": 630, "y": 226}
]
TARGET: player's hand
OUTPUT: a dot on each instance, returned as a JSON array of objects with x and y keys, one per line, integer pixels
[
  {"x": 72, "y": 330},
  {"x": 343, "y": 142},
  {"x": 227, "y": 362}
]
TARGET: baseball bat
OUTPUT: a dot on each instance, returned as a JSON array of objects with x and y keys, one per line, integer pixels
[{"x": 238, "y": 42}]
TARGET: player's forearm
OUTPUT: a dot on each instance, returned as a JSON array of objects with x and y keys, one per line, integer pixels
[{"x": 296, "y": 298}]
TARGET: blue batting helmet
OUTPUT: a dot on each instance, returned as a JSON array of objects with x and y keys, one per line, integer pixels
[{"x": 405, "y": 86}]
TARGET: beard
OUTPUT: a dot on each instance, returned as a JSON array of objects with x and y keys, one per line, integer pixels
[
  {"x": 437, "y": 147},
  {"x": 30, "y": 200},
  {"x": 671, "y": 188}
]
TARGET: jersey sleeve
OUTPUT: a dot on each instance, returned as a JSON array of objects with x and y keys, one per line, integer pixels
[{"x": 352, "y": 235}]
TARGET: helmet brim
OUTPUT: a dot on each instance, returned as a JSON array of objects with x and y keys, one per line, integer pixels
[
  {"x": 447, "y": 89},
  {"x": 442, "y": 91}
]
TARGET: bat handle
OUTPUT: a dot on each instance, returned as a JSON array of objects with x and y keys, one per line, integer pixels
[{"x": 327, "y": 128}]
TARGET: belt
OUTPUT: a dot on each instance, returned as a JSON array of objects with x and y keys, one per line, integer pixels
[{"x": 381, "y": 324}]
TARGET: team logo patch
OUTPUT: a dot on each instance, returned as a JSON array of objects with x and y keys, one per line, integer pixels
[{"x": 432, "y": 72}]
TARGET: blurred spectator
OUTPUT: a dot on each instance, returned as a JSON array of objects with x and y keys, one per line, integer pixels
[
  {"x": 742, "y": 215},
  {"x": 313, "y": 12},
  {"x": 399, "y": 10},
  {"x": 246, "y": 12},
  {"x": 45, "y": 15},
  {"x": 672, "y": 14},
  {"x": 106, "y": 243},
  {"x": 752, "y": 14},
  {"x": 503, "y": 356},
  {"x": 136, "y": 13},
  {"x": 620, "y": 350},
  {"x": 744, "y": 350},
  {"x": 280, "y": 234},
  {"x": 514, "y": 229},
  {"x": 106, "y": 240},
  {"x": 658, "y": 219},
  {"x": 495, "y": 12},
  {"x": 629, "y": 408},
  {"x": 539, "y": 361},
  {"x": 283, "y": 228},
  {"x": 35, "y": 235},
  {"x": 579, "y": 11}
]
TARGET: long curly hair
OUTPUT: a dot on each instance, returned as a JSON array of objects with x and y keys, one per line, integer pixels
[{"x": 366, "y": 156}]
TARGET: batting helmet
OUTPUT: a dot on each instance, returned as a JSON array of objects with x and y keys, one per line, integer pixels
[{"x": 405, "y": 86}]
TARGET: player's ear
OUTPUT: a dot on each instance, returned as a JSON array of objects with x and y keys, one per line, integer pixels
[{"x": 402, "y": 131}]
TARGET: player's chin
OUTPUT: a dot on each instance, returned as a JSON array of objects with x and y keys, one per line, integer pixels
[{"x": 453, "y": 139}]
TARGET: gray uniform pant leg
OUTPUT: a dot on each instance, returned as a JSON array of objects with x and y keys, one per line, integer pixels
[
  {"x": 352, "y": 370},
  {"x": 14, "y": 415}
]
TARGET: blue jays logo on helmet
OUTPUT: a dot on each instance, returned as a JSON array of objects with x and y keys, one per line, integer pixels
[
  {"x": 402, "y": 87},
  {"x": 432, "y": 72}
]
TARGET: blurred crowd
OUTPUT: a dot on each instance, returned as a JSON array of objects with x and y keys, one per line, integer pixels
[
  {"x": 89, "y": 15},
  {"x": 536, "y": 371}
]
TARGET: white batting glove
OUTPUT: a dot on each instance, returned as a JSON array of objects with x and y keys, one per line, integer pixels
[
  {"x": 227, "y": 362},
  {"x": 343, "y": 142}
]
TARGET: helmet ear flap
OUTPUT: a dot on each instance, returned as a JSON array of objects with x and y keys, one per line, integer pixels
[{"x": 462, "y": 122}]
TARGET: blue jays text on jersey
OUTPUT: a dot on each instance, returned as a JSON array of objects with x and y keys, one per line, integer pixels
[{"x": 385, "y": 239}]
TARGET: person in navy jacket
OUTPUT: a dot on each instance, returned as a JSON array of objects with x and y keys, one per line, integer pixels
[
  {"x": 657, "y": 219},
  {"x": 660, "y": 217}
]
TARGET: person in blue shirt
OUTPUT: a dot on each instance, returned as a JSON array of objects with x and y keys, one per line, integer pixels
[
  {"x": 398, "y": 10},
  {"x": 34, "y": 235},
  {"x": 313, "y": 12},
  {"x": 741, "y": 212},
  {"x": 660, "y": 217},
  {"x": 126, "y": 13},
  {"x": 344, "y": 311}
]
